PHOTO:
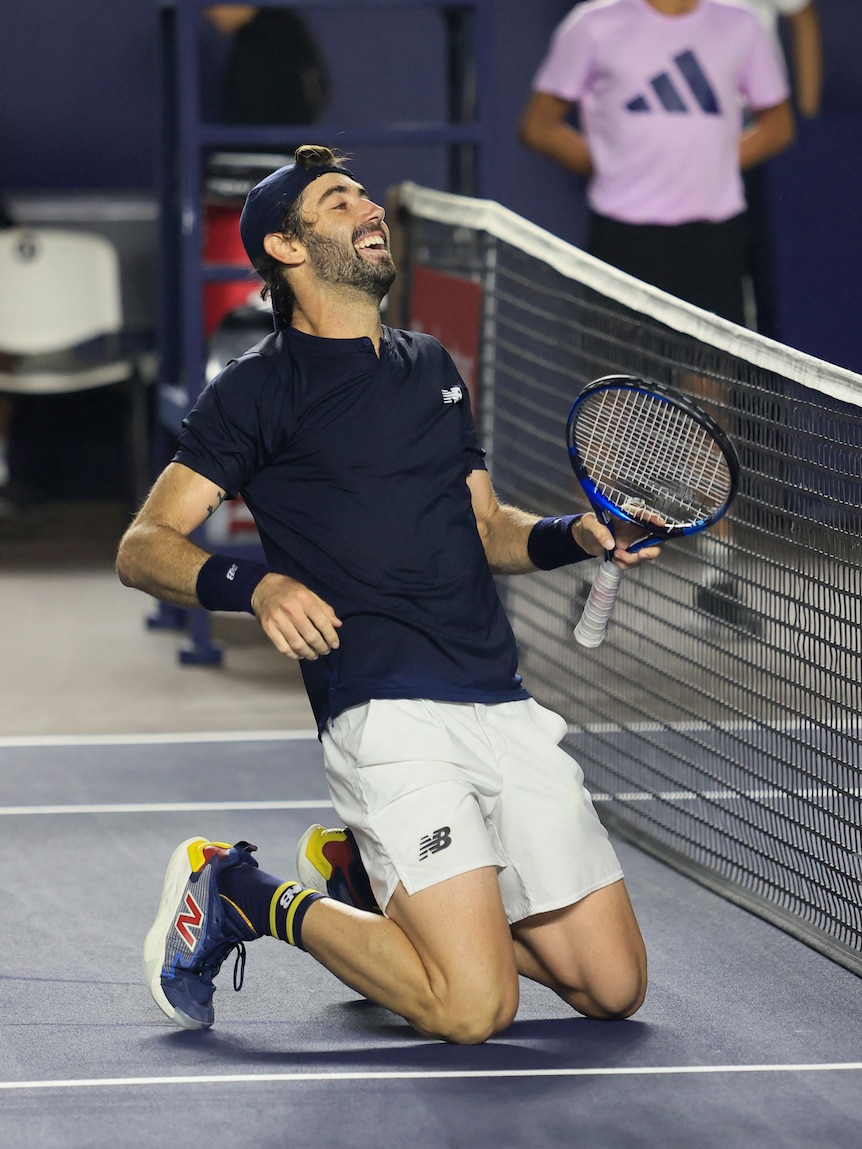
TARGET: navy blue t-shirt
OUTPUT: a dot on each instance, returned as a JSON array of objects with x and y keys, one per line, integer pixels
[{"x": 354, "y": 468}]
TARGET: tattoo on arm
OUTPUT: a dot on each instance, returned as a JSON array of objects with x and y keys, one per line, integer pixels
[{"x": 220, "y": 497}]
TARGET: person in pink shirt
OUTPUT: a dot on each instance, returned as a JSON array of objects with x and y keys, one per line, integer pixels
[{"x": 660, "y": 87}]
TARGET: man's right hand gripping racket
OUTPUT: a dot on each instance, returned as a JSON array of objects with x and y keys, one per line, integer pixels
[{"x": 645, "y": 454}]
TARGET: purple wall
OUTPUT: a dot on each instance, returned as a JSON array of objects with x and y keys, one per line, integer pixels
[{"x": 78, "y": 111}]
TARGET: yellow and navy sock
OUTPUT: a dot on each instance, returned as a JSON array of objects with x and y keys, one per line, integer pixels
[
  {"x": 267, "y": 904},
  {"x": 287, "y": 910}
]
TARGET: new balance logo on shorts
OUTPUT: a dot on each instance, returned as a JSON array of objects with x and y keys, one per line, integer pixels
[
  {"x": 452, "y": 395},
  {"x": 435, "y": 842},
  {"x": 666, "y": 91}
]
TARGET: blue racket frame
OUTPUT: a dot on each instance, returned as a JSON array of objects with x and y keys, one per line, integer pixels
[{"x": 606, "y": 508}]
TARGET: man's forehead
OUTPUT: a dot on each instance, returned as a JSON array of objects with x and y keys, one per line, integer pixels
[{"x": 329, "y": 184}]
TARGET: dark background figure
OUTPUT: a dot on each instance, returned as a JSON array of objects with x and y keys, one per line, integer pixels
[
  {"x": 274, "y": 72},
  {"x": 797, "y": 24},
  {"x": 265, "y": 66}
]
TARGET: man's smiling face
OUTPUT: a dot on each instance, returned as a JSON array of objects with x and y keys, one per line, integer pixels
[{"x": 346, "y": 236}]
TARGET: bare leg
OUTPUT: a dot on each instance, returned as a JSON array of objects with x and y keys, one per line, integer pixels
[
  {"x": 443, "y": 959},
  {"x": 591, "y": 954}
]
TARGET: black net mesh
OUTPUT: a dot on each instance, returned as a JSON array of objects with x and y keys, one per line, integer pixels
[{"x": 719, "y": 723}]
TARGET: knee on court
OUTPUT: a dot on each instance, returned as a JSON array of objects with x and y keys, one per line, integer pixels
[
  {"x": 611, "y": 989},
  {"x": 475, "y": 1021},
  {"x": 624, "y": 1002},
  {"x": 616, "y": 996}
]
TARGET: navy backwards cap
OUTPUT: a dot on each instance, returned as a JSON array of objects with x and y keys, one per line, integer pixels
[{"x": 267, "y": 203}]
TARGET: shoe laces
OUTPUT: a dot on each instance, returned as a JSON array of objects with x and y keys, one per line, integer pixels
[
  {"x": 214, "y": 960},
  {"x": 214, "y": 956}
]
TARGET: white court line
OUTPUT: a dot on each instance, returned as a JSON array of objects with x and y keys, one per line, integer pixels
[
  {"x": 168, "y": 807},
  {"x": 429, "y": 1075},
  {"x": 310, "y": 735},
  {"x": 13, "y": 740},
  {"x": 325, "y": 803},
  {"x": 205, "y": 736}
]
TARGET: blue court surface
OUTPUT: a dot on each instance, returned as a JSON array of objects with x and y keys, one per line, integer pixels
[{"x": 747, "y": 1039}]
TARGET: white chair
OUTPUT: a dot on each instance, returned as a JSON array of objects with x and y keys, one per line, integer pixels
[{"x": 61, "y": 321}]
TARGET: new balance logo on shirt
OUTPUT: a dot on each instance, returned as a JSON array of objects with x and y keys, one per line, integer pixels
[
  {"x": 434, "y": 842},
  {"x": 667, "y": 89},
  {"x": 452, "y": 395}
]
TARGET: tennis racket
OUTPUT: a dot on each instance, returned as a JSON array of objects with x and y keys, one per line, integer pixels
[{"x": 648, "y": 455}]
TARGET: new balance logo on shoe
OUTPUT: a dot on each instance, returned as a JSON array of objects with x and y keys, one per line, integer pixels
[
  {"x": 668, "y": 94},
  {"x": 452, "y": 395},
  {"x": 435, "y": 842},
  {"x": 186, "y": 922}
]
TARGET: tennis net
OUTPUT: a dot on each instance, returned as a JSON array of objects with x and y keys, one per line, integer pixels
[{"x": 719, "y": 723}]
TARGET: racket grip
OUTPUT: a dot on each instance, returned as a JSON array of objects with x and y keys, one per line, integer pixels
[{"x": 590, "y": 631}]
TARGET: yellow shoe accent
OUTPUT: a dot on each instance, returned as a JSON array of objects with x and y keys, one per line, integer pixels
[
  {"x": 314, "y": 848},
  {"x": 195, "y": 851}
]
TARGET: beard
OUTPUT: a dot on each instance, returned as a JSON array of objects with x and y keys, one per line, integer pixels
[{"x": 335, "y": 263}]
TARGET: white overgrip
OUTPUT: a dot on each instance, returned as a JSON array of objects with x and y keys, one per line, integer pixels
[{"x": 590, "y": 631}]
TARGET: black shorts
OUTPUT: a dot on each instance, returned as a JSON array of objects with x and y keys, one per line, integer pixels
[{"x": 699, "y": 262}]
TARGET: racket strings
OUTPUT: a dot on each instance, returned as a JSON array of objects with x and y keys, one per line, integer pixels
[{"x": 651, "y": 458}]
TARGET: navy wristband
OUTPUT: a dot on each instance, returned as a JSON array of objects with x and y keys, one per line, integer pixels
[
  {"x": 227, "y": 584},
  {"x": 551, "y": 544}
]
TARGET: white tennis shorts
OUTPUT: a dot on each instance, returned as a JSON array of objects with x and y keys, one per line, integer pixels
[{"x": 436, "y": 789}]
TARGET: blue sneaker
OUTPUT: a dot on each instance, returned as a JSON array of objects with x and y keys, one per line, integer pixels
[
  {"x": 328, "y": 861},
  {"x": 195, "y": 930}
]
